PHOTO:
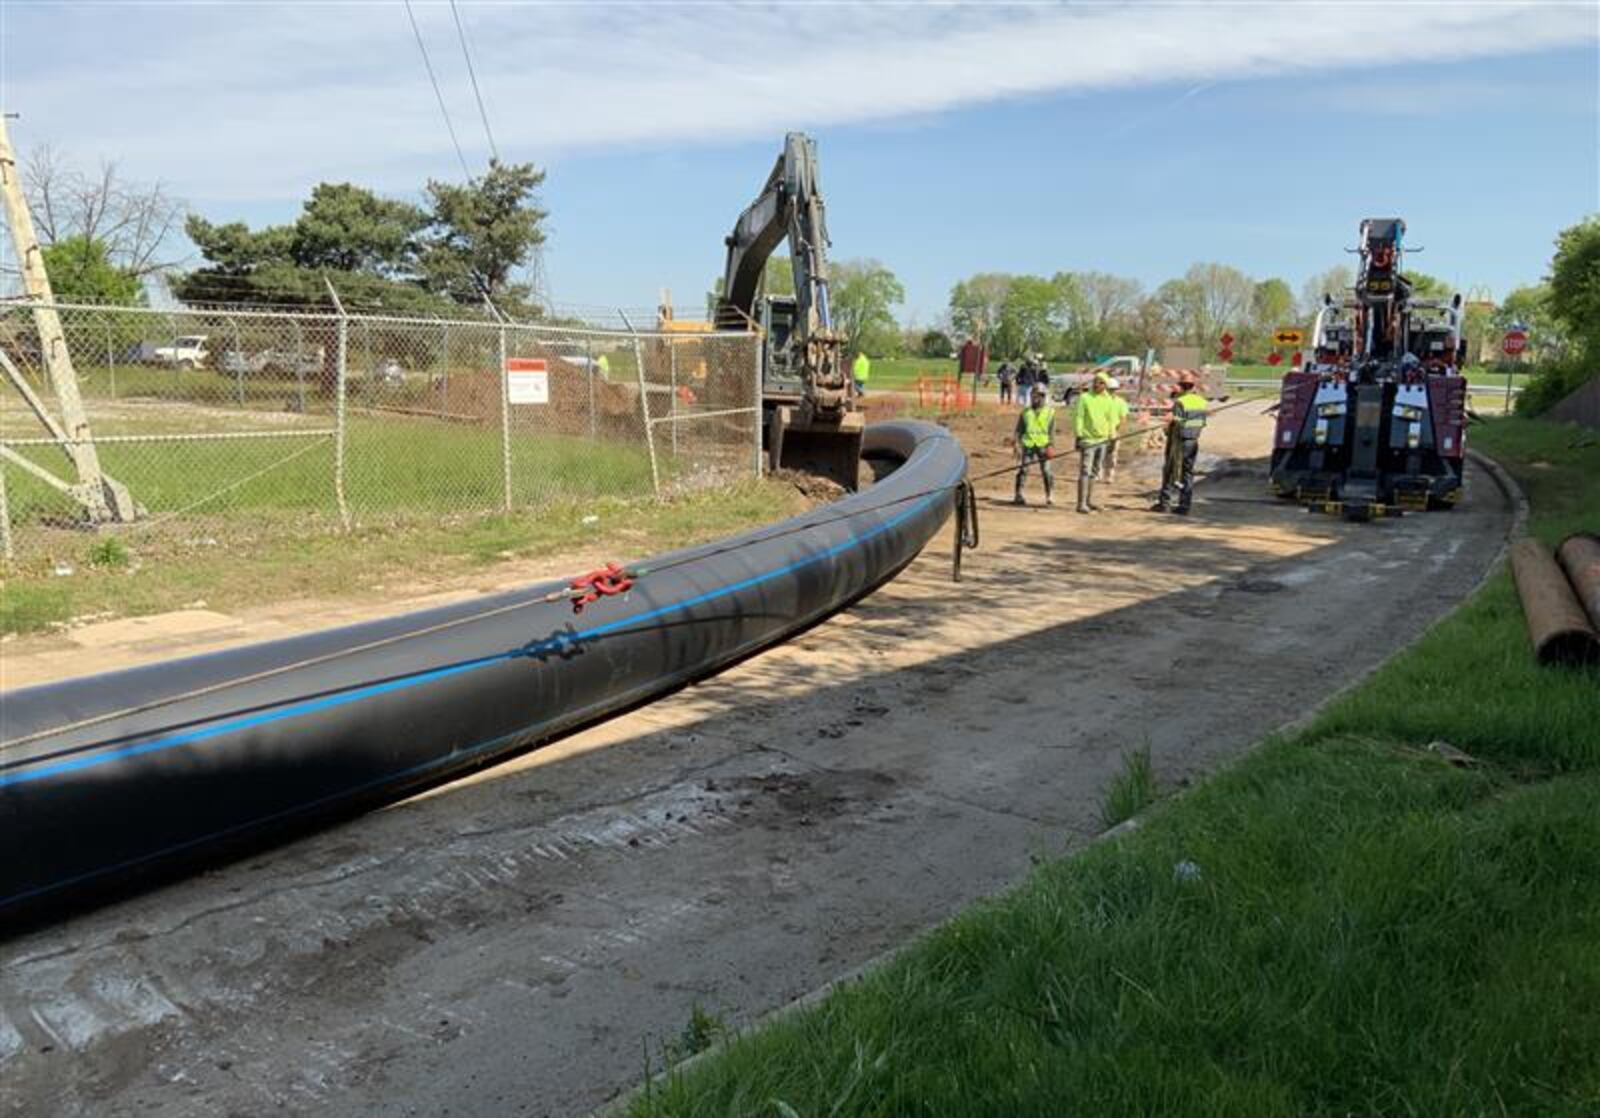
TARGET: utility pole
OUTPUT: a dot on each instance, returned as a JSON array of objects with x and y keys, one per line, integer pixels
[{"x": 103, "y": 498}]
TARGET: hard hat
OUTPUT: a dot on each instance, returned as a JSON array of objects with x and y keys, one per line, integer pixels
[
  {"x": 1102, "y": 376},
  {"x": 1038, "y": 391},
  {"x": 1113, "y": 383}
]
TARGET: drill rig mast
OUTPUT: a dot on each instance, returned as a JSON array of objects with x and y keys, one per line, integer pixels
[{"x": 1375, "y": 422}]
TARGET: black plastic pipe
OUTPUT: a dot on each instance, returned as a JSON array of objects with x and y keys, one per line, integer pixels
[{"x": 107, "y": 778}]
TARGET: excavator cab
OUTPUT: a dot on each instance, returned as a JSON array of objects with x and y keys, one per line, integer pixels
[{"x": 795, "y": 437}]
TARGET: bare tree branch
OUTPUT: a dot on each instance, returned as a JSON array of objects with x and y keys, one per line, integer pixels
[{"x": 135, "y": 221}]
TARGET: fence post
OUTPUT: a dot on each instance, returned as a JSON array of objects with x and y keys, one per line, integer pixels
[
  {"x": 111, "y": 361},
  {"x": 299, "y": 360},
  {"x": 588, "y": 368},
  {"x": 644, "y": 405},
  {"x": 342, "y": 346},
  {"x": 444, "y": 371},
  {"x": 238, "y": 359},
  {"x": 5, "y": 520},
  {"x": 672, "y": 362},
  {"x": 505, "y": 417}
]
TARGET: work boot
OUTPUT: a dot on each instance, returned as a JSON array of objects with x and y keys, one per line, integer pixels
[
  {"x": 1019, "y": 499},
  {"x": 1084, "y": 485},
  {"x": 1182, "y": 510},
  {"x": 1161, "y": 506},
  {"x": 1089, "y": 497}
]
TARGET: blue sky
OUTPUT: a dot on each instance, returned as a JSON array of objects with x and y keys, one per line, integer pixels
[{"x": 1135, "y": 138}]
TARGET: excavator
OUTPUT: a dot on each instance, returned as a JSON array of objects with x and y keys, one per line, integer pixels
[
  {"x": 1374, "y": 422},
  {"x": 810, "y": 420}
]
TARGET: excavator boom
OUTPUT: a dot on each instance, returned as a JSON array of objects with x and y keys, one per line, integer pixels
[{"x": 811, "y": 421}]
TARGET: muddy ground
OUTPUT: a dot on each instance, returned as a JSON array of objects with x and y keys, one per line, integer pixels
[{"x": 517, "y": 942}]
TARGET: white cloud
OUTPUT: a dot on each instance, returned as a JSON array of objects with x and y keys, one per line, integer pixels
[{"x": 255, "y": 100}]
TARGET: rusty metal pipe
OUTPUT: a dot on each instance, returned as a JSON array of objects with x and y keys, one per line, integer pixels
[
  {"x": 1557, "y": 625},
  {"x": 1579, "y": 555}
]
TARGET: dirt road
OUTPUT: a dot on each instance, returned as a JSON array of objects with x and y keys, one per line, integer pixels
[{"x": 516, "y": 942}]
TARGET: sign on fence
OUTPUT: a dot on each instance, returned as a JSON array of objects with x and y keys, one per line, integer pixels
[{"x": 527, "y": 380}]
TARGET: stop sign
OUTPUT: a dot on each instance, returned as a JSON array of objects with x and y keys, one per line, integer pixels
[
  {"x": 1274, "y": 357},
  {"x": 1514, "y": 342},
  {"x": 1225, "y": 354}
]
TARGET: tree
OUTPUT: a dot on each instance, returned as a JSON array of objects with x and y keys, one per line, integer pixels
[
  {"x": 1424, "y": 286},
  {"x": 1102, "y": 306},
  {"x": 133, "y": 222},
  {"x": 350, "y": 229},
  {"x": 1147, "y": 325},
  {"x": 1529, "y": 308},
  {"x": 777, "y": 276},
  {"x": 1030, "y": 317},
  {"x": 263, "y": 266},
  {"x": 1573, "y": 302},
  {"x": 379, "y": 253},
  {"x": 480, "y": 233},
  {"x": 1336, "y": 281},
  {"x": 1574, "y": 285},
  {"x": 975, "y": 304},
  {"x": 81, "y": 271},
  {"x": 863, "y": 293},
  {"x": 1182, "y": 311},
  {"x": 935, "y": 343},
  {"x": 1271, "y": 304},
  {"x": 1223, "y": 294}
]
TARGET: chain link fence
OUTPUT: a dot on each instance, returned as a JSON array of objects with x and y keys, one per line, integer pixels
[{"x": 227, "y": 428}]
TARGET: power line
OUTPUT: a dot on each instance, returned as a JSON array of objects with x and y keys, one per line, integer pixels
[
  {"x": 461, "y": 33},
  {"x": 438, "y": 94}
]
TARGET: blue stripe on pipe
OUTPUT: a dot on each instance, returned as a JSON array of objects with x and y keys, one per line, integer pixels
[{"x": 549, "y": 644}]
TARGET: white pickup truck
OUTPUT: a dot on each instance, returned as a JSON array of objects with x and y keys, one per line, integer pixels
[
  {"x": 1065, "y": 386},
  {"x": 188, "y": 352}
]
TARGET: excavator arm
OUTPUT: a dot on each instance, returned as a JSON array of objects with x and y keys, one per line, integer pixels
[{"x": 823, "y": 434}]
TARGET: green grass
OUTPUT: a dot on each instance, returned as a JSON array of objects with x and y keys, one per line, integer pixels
[
  {"x": 1132, "y": 790},
  {"x": 394, "y": 466},
  {"x": 285, "y": 560},
  {"x": 1341, "y": 923}
]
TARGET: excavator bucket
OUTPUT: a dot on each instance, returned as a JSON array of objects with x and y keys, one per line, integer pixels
[{"x": 830, "y": 450}]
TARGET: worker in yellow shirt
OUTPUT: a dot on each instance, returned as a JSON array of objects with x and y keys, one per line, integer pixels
[
  {"x": 1189, "y": 412},
  {"x": 1034, "y": 436},
  {"x": 1095, "y": 419},
  {"x": 862, "y": 372}
]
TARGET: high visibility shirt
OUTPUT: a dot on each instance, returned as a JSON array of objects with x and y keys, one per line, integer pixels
[
  {"x": 1036, "y": 427},
  {"x": 862, "y": 368},
  {"x": 1096, "y": 416},
  {"x": 1122, "y": 409},
  {"x": 1189, "y": 413},
  {"x": 605, "y": 366}
]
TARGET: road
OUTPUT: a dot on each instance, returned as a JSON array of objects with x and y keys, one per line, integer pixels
[{"x": 517, "y": 943}]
